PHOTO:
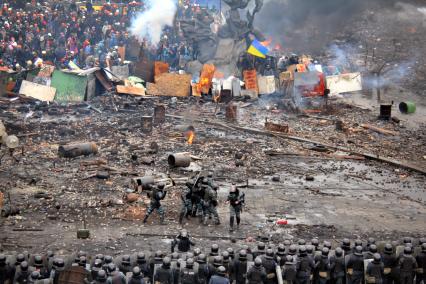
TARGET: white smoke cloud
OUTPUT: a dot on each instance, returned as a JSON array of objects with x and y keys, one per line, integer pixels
[{"x": 150, "y": 23}]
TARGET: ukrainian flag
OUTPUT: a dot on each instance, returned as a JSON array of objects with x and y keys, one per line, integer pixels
[{"x": 257, "y": 49}]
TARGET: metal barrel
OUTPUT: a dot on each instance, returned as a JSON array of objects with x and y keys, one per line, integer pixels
[
  {"x": 146, "y": 124},
  {"x": 159, "y": 114},
  {"x": 179, "y": 160},
  {"x": 75, "y": 150},
  {"x": 140, "y": 183}
]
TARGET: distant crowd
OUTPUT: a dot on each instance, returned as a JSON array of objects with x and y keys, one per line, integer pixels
[
  {"x": 299, "y": 262},
  {"x": 66, "y": 35}
]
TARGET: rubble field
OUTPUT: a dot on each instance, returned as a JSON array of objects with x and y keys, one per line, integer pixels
[{"x": 315, "y": 176}]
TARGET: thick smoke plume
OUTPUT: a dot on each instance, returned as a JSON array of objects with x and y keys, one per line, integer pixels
[
  {"x": 309, "y": 25},
  {"x": 150, "y": 23}
]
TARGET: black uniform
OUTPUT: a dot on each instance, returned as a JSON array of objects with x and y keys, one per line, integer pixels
[
  {"x": 240, "y": 270},
  {"x": 203, "y": 274},
  {"x": 337, "y": 269},
  {"x": 305, "y": 266},
  {"x": 323, "y": 267},
  {"x": 356, "y": 265},
  {"x": 270, "y": 268},
  {"x": 289, "y": 272},
  {"x": 256, "y": 275},
  {"x": 163, "y": 275},
  {"x": 389, "y": 263},
  {"x": 407, "y": 265},
  {"x": 375, "y": 270},
  {"x": 421, "y": 267},
  {"x": 183, "y": 243},
  {"x": 188, "y": 276}
]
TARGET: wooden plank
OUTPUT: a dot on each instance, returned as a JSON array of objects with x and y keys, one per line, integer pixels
[
  {"x": 130, "y": 90},
  {"x": 379, "y": 130},
  {"x": 250, "y": 80},
  {"x": 37, "y": 91},
  {"x": 46, "y": 71},
  {"x": 172, "y": 85}
]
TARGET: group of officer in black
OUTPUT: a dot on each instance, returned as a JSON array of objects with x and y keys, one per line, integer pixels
[
  {"x": 288, "y": 262},
  {"x": 200, "y": 198}
]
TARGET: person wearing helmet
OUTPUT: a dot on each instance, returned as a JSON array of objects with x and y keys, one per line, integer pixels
[
  {"x": 256, "y": 273},
  {"x": 374, "y": 274},
  {"x": 219, "y": 277},
  {"x": 22, "y": 273},
  {"x": 305, "y": 266},
  {"x": 421, "y": 265},
  {"x": 203, "y": 273},
  {"x": 236, "y": 203},
  {"x": 209, "y": 203},
  {"x": 270, "y": 266},
  {"x": 239, "y": 268},
  {"x": 186, "y": 197},
  {"x": 389, "y": 263},
  {"x": 183, "y": 241},
  {"x": 260, "y": 250},
  {"x": 187, "y": 274},
  {"x": 337, "y": 266},
  {"x": 101, "y": 277},
  {"x": 164, "y": 275},
  {"x": 125, "y": 266},
  {"x": 157, "y": 194},
  {"x": 323, "y": 266},
  {"x": 407, "y": 265},
  {"x": 136, "y": 277},
  {"x": 355, "y": 266},
  {"x": 5, "y": 270},
  {"x": 289, "y": 270}
]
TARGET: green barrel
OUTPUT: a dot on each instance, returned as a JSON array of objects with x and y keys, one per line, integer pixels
[{"x": 407, "y": 107}]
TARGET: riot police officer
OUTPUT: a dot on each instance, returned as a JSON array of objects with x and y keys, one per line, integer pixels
[
  {"x": 137, "y": 276},
  {"x": 270, "y": 267},
  {"x": 240, "y": 267},
  {"x": 5, "y": 271},
  {"x": 407, "y": 265},
  {"x": 219, "y": 277},
  {"x": 209, "y": 203},
  {"x": 375, "y": 270},
  {"x": 256, "y": 274},
  {"x": 203, "y": 273},
  {"x": 421, "y": 265},
  {"x": 183, "y": 242},
  {"x": 164, "y": 275},
  {"x": 236, "y": 203},
  {"x": 186, "y": 197},
  {"x": 355, "y": 266},
  {"x": 188, "y": 275},
  {"x": 323, "y": 267},
  {"x": 289, "y": 270},
  {"x": 337, "y": 267},
  {"x": 389, "y": 263},
  {"x": 157, "y": 194},
  {"x": 305, "y": 266}
]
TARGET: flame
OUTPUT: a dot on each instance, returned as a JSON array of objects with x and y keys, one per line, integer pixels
[
  {"x": 190, "y": 135},
  {"x": 216, "y": 97},
  {"x": 266, "y": 42}
]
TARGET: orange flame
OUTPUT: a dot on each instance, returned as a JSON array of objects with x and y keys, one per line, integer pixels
[
  {"x": 190, "y": 135},
  {"x": 216, "y": 97}
]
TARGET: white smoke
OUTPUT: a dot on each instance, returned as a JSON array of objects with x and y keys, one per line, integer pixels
[{"x": 150, "y": 23}]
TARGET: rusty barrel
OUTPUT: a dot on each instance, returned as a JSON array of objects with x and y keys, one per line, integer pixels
[
  {"x": 141, "y": 183},
  {"x": 231, "y": 112},
  {"x": 159, "y": 114},
  {"x": 146, "y": 124},
  {"x": 179, "y": 160},
  {"x": 78, "y": 149}
]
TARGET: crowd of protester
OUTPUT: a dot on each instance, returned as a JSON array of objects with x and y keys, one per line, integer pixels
[
  {"x": 351, "y": 262},
  {"x": 60, "y": 33}
]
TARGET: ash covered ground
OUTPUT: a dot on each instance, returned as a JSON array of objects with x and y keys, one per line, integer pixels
[{"x": 349, "y": 196}]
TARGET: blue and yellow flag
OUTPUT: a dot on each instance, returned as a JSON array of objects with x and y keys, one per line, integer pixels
[{"x": 257, "y": 49}]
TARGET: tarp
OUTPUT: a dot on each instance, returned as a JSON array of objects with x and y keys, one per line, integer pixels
[
  {"x": 69, "y": 87},
  {"x": 344, "y": 83}
]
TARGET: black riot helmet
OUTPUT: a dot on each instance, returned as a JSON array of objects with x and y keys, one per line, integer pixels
[
  {"x": 358, "y": 250},
  {"x": 242, "y": 255},
  {"x": 338, "y": 252},
  {"x": 373, "y": 248},
  {"x": 136, "y": 271},
  {"x": 302, "y": 251},
  {"x": 201, "y": 258},
  {"x": 269, "y": 254},
  {"x": 258, "y": 262},
  {"x": 214, "y": 250},
  {"x": 325, "y": 252},
  {"x": 301, "y": 242},
  {"x": 189, "y": 263},
  {"x": 166, "y": 262},
  {"x": 388, "y": 249},
  {"x": 140, "y": 258},
  {"x": 377, "y": 258}
]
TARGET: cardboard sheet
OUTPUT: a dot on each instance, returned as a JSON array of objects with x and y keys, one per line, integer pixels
[
  {"x": 37, "y": 91},
  {"x": 344, "y": 83}
]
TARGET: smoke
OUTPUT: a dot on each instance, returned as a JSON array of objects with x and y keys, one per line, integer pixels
[
  {"x": 309, "y": 25},
  {"x": 150, "y": 23}
]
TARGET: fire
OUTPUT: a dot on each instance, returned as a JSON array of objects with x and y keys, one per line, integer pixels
[
  {"x": 190, "y": 135},
  {"x": 216, "y": 97}
]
